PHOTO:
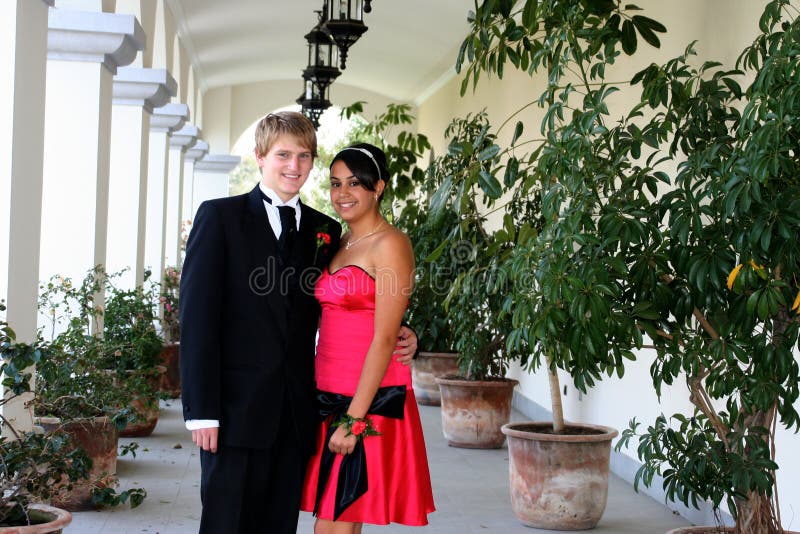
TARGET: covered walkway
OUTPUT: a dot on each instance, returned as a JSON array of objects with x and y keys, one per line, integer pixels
[{"x": 470, "y": 488}]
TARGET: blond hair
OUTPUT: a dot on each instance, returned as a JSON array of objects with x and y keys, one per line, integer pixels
[{"x": 275, "y": 125}]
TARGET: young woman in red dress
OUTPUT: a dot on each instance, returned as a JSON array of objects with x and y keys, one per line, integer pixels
[{"x": 370, "y": 464}]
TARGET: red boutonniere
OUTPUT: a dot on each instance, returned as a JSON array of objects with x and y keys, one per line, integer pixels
[{"x": 323, "y": 240}]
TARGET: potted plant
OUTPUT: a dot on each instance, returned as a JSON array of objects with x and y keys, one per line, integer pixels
[
  {"x": 555, "y": 308},
  {"x": 437, "y": 269},
  {"x": 477, "y": 401},
  {"x": 698, "y": 260},
  {"x": 170, "y": 330},
  {"x": 76, "y": 393},
  {"x": 34, "y": 466},
  {"x": 723, "y": 304},
  {"x": 134, "y": 349}
]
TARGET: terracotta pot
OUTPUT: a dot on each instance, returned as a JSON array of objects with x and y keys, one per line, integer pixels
[
  {"x": 473, "y": 411},
  {"x": 170, "y": 359},
  {"x": 146, "y": 410},
  {"x": 98, "y": 437},
  {"x": 711, "y": 530},
  {"x": 424, "y": 371},
  {"x": 559, "y": 481},
  {"x": 47, "y": 519}
]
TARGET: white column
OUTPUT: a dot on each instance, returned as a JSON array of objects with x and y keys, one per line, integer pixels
[
  {"x": 199, "y": 150},
  {"x": 180, "y": 141},
  {"x": 23, "y": 51},
  {"x": 136, "y": 92},
  {"x": 164, "y": 121},
  {"x": 211, "y": 177},
  {"x": 84, "y": 50}
]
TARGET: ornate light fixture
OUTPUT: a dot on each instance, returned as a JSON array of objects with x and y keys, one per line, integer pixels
[
  {"x": 343, "y": 20},
  {"x": 314, "y": 101},
  {"x": 323, "y": 55}
]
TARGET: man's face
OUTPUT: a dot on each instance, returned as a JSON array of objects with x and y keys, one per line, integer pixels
[{"x": 286, "y": 166}]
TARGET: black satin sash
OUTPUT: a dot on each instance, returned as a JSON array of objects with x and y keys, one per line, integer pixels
[{"x": 389, "y": 401}]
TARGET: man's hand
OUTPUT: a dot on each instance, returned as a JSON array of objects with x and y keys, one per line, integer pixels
[
  {"x": 206, "y": 438},
  {"x": 406, "y": 345}
]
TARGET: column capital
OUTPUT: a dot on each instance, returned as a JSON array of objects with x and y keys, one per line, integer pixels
[
  {"x": 185, "y": 138},
  {"x": 107, "y": 38},
  {"x": 148, "y": 88},
  {"x": 169, "y": 118},
  {"x": 197, "y": 151},
  {"x": 219, "y": 163}
]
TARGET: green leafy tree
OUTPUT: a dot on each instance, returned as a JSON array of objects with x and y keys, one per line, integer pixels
[{"x": 699, "y": 261}]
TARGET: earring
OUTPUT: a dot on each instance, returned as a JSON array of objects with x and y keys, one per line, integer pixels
[{"x": 376, "y": 197}]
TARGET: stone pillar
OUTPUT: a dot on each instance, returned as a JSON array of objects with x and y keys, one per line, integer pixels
[
  {"x": 179, "y": 143},
  {"x": 136, "y": 92},
  {"x": 84, "y": 50},
  {"x": 23, "y": 53},
  {"x": 164, "y": 121},
  {"x": 195, "y": 153},
  {"x": 211, "y": 176}
]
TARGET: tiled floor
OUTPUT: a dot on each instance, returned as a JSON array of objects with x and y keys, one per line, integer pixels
[{"x": 470, "y": 488}]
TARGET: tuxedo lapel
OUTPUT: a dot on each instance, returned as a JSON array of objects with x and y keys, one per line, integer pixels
[{"x": 265, "y": 271}]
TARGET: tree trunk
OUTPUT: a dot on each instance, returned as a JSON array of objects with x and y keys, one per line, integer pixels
[
  {"x": 756, "y": 515},
  {"x": 555, "y": 397}
]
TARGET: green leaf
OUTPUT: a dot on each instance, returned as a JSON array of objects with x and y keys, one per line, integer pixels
[
  {"x": 645, "y": 31},
  {"x": 517, "y": 132},
  {"x": 628, "y": 37},
  {"x": 489, "y": 184},
  {"x": 512, "y": 170},
  {"x": 488, "y": 152},
  {"x": 529, "y": 19}
]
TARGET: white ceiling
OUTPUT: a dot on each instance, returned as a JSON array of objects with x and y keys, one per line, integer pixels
[{"x": 409, "y": 48}]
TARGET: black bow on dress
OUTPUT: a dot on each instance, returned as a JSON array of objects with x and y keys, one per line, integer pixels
[{"x": 389, "y": 401}]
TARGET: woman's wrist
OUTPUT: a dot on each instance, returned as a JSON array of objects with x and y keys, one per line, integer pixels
[{"x": 360, "y": 427}]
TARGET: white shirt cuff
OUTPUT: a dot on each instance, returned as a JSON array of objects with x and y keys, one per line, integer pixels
[{"x": 197, "y": 424}]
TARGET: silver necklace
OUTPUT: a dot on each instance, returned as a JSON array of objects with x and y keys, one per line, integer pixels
[{"x": 351, "y": 243}]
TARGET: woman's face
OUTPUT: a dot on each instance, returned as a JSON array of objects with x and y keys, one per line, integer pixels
[{"x": 349, "y": 197}]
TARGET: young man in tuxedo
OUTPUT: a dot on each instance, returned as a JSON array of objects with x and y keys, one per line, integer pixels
[{"x": 248, "y": 327}]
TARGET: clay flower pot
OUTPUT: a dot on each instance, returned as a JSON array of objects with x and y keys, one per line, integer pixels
[
  {"x": 47, "y": 519},
  {"x": 170, "y": 359},
  {"x": 98, "y": 437},
  {"x": 425, "y": 369},
  {"x": 559, "y": 481},
  {"x": 146, "y": 410},
  {"x": 473, "y": 411}
]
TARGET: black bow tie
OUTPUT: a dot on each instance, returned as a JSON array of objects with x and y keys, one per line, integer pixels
[{"x": 288, "y": 223}]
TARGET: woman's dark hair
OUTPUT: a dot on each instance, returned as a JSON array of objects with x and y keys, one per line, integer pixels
[{"x": 367, "y": 163}]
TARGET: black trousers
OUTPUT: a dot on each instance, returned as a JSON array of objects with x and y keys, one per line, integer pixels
[{"x": 253, "y": 491}]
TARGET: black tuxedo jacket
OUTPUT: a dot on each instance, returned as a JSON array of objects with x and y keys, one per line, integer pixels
[{"x": 248, "y": 320}]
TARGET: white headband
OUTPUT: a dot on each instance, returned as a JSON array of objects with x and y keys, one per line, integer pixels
[{"x": 368, "y": 153}]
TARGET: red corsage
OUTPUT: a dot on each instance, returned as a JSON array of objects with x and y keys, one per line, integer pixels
[{"x": 360, "y": 427}]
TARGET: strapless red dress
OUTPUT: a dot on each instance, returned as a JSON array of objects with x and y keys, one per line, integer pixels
[{"x": 398, "y": 480}]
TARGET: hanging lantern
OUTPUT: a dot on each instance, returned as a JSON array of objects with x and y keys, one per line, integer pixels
[
  {"x": 313, "y": 102},
  {"x": 323, "y": 55},
  {"x": 344, "y": 22}
]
